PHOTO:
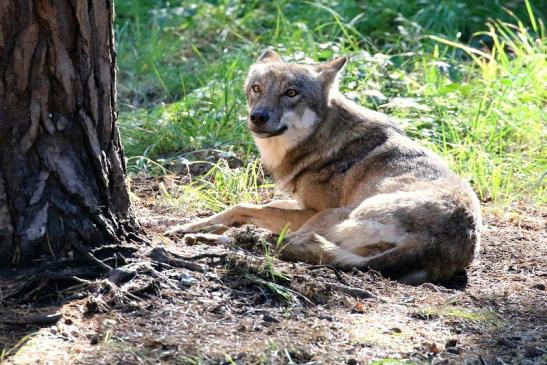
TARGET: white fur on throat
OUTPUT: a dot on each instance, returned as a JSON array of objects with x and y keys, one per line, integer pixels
[{"x": 273, "y": 149}]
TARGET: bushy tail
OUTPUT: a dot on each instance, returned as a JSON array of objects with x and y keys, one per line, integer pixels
[
  {"x": 404, "y": 263},
  {"x": 416, "y": 260}
]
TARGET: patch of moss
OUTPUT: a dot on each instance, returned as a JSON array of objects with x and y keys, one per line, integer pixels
[{"x": 482, "y": 316}]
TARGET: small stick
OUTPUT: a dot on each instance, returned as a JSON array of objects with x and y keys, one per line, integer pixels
[
  {"x": 159, "y": 254},
  {"x": 351, "y": 291},
  {"x": 206, "y": 256}
]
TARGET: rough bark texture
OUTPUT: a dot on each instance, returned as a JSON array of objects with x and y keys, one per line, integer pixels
[{"x": 61, "y": 159}]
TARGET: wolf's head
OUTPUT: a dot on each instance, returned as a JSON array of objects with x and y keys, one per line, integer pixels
[{"x": 288, "y": 99}]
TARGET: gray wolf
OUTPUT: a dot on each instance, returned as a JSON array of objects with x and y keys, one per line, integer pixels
[{"x": 365, "y": 195}]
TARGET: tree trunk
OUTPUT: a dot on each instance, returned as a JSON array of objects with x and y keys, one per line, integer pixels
[{"x": 61, "y": 160}]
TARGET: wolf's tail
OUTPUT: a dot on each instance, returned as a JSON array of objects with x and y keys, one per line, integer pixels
[
  {"x": 416, "y": 260},
  {"x": 404, "y": 263}
]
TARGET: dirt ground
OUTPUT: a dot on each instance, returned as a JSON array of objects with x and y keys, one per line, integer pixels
[{"x": 239, "y": 305}]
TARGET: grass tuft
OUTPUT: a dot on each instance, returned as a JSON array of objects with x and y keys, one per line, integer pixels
[{"x": 218, "y": 189}]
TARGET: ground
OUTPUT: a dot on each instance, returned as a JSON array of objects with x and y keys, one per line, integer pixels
[{"x": 247, "y": 307}]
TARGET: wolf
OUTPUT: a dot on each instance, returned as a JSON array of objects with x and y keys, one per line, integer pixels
[{"x": 365, "y": 195}]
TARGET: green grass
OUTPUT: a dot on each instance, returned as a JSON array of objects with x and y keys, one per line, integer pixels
[
  {"x": 182, "y": 66},
  {"x": 480, "y": 316},
  {"x": 218, "y": 189},
  {"x": 392, "y": 362}
]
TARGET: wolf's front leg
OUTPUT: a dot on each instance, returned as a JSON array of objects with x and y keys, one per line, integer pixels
[{"x": 273, "y": 217}]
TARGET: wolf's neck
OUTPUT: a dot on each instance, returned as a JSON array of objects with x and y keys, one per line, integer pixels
[
  {"x": 299, "y": 128},
  {"x": 350, "y": 119},
  {"x": 342, "y": 122},
  {"x": 283, "y": 154},
  {"x": 272, "y": 150}
]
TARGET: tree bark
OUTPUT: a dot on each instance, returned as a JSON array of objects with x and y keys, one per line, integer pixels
[{"x": 61, "y": 160}]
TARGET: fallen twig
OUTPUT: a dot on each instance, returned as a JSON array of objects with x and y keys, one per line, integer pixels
[
  {"x": 159, "y": 254},
  {"x": 351, "y": 291},
  {"x": 205, "y": 256}
]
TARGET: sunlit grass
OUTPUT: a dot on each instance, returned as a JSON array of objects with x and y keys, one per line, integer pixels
[
  {"x": 218, "y": 189},
  {"x": 182, "y": 71},
  {"x": 482, "y": 317}
]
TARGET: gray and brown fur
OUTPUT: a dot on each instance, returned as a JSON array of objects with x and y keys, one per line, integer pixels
[{"x": 366, "y": 195}]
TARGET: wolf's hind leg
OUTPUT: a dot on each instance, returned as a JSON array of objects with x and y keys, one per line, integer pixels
[
  {"x": 309, "y": 244},
  {"x": 307, "y": 247}
]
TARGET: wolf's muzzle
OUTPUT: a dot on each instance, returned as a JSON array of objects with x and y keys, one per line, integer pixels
[
  {"x": 259, "y": 117},
  {"x": 260, "y": 133}
]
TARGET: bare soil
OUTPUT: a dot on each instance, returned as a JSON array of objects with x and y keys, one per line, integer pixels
[{"x": 246, "y": 307}]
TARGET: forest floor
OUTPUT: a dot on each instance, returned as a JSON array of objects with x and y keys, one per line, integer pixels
[{"x": 247, "y": 307}]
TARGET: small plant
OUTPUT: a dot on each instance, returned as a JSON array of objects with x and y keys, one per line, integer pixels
[{"x": 269, "y": 257}]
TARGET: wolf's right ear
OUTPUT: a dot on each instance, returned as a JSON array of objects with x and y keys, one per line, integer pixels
[
  {"x": 333, "y": 67},
  {"x": 269, "y": 56},
  {"x": 329, "y": 71}
]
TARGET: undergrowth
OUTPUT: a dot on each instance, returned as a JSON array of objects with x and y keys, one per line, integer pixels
[{"x": 468, "y": 79}]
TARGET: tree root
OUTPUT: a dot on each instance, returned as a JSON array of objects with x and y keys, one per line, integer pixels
[
  {"x": 39, "y": 319},
  {"x": 89, "y": 256},
  {"x": 206, "y": 256},
  {"x": 142, "y": 272}
]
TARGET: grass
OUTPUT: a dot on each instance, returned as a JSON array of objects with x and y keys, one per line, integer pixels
[
  {"x": 182, "y": 65},
  {"x": 391, "y": 362},
  {"x": 485, "y": 317},
  {"x": 219, "y": 188}
]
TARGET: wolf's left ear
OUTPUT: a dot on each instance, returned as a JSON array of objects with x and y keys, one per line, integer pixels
[
  {"x": 269, "y": 56},
  {"x": 329, "y": 70},
  {"x": 333, "y": 66}
]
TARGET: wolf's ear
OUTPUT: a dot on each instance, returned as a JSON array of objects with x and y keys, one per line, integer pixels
[
  {"x": 269, "y": 56},
  {"x": 329, "y": 71},
  {"x": 333, "y": 67}
]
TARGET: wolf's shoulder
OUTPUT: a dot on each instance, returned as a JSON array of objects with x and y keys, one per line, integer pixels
[{"x": 347, "y": 112}]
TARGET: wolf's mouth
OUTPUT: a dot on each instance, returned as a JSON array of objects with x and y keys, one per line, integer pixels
[{"x": 267, "y": 134}]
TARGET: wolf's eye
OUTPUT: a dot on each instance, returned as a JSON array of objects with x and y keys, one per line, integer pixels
[
  {"x": 291, "y": 93},
  {"x": 256, "y": 88}
]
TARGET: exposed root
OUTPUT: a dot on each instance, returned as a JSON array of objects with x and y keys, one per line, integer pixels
[
  {"x": 126, "y": 276},
  {"x": 89, "y": 256},
  {"x": 40, "y": 319},
  {"x": 133, "y": 276}
]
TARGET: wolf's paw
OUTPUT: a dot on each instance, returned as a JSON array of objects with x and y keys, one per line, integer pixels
[
  {"x": 207, "y": 238},
  {"x": 197, "y": 227}
]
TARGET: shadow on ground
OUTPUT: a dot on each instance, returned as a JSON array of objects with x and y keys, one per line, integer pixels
[{"x": 246, "y": 307}]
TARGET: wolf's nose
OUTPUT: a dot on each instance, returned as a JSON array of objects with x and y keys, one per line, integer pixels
[{"x": 259, "y": 117}]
